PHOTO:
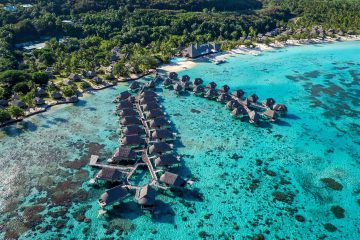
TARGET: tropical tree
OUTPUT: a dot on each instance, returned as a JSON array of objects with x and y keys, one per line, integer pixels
[{"x": 16, "y": 112}]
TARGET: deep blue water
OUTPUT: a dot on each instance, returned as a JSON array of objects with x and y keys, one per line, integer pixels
[{"x": 248, "y": 180}]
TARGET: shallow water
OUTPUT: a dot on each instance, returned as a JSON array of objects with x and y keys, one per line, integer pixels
[{"x": 248, "y": 180}]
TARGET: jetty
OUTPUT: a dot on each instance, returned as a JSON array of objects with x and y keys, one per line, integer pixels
[{"x": 144, "y": 131}]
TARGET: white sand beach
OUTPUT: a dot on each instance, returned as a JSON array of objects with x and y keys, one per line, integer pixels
[{"x": 256, "y": 50}]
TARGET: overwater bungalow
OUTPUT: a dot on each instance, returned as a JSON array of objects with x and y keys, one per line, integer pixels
[
  {"x": 150, "y": 106},
  {"x": 224, "y": 88},
  {"x": 109, "y": 174},
  {"x": 211, "y": 94},
  {"x": 146, "y": 99},
  {"x": 132, "y": 141},
  {"x": 172, "y": 180},
  {"x": 198, "y": 90},
  {"x": 159, "y": 148},
  {"x": 224, "y": 98},
  {"x": 155, "y": 113},
  {"x": 148, "y": 93},
  {"x": 211, "y": 85},
  {"x": 122, "y": 96},
  {"x": 238, "y": 93},
  {"x": 239, "y": 112},
  {"x": 126, "y": 121},
  {"x": 123, "y": 154},
  {"x": 197, "y": 81},
  {"x": 268, "y": 103},
  {"x": 74, "y": 77},
  {"x": 134, "y": 86},
  {"x": 150, "y": 84},
  {"x": 232, "y": 104},
  {"x": 124, "y": 104},
  {"x": 56, "y": 95},
  {"x": 253, "y": 98},
  {"x": 173, "y": 75},
  {"x": 185, "y": 78},
  {"x": 18, "y": 103},
  {"x": 39, "y": 101},
  {"x": 178, "y": 88},
  {"x": 166, "y": 160},
  {"x": 128, "y": 112},
  {"x": 163, "y": 135},
  {"x": 167, "y": 83},
  {"x": 269, "y": 114},
  {"x": 253, "y": 117},
  {"x": 112, "y": 196},
  {"x": 133, "y": 130},
  {"x": 159, "y": 123},
  {"x": 146, "y": 196},
  {"x": 280, "y": 108}
]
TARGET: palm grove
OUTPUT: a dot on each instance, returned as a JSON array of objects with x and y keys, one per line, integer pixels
[{"x": 146, "y": 33}]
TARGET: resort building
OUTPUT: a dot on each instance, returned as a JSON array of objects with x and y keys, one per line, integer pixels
[
  {"x": 172, "y": 180},
  {"x": 196, "y": 50},
  {"x": 146, "y": 196},
  {"x": 112, "y": 195}
]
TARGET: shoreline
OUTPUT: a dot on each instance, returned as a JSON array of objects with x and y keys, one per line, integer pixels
[{"x": 191, "y": 63}]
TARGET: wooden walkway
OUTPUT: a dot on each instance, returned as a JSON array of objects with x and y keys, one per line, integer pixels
[{"x": 94, "y": 163}]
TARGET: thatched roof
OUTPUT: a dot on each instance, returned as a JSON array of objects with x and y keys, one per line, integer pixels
[
  {"x": 173, "y": 75},
  {"x": 239, "y": 111},
  {"x": 270, "y": 114},
  {"x": 124, "y": 153},
  {"x": 131, "y": 120},
  {"x": 147, "y": 99},
  {"x": 232, "y": 104},
  {"x": 97, "y": 80},
  {"x": 41, "y": 92},
  {"x": 148, "y": 93},
  {"x": 167, "y": 82},
  {"x": 39, "y": 101},
  {"x": 74, "y": 77},
  {"x": 56, "y": 95},
  {"x": 155, "y": 113},
  {"x": 211, "y": 93},
  {"x": 224, "y": 88},
  {"x": 177, "y": 87},
  {"x": 172, "y": 179},
  {"x": 159, "y": 148},
  {"x": 159, "y": 123},
  {"x": 125, "y": 104},
  {"x": 197, "y": 81},
  {"x": 150, "y": 84},
  {"x": 254, "y": 116},
  {"x": 224, "y": 97},
  {"x": 133, "y": 130},
  {"x": 198, "y": 89},
  {"x": 113, "y": 195},
  {"x": 211, "y": 85},
  {"x": 132, "y": 140},
  {"x": 238, "y": 93},
  {"x": 146, "y": 195},
  {"x": 253, "y": 98},
  {"x": 123, "y": 95},
  {"x": 18, "y": 103},
  {"x": 280, "y": 108},
  {"x": 269, "y": 102},
  {"x": 68, "y": 82},
  {"x": 134, "y": 85},
  {"x": 185, "y": 78},
  {"x": 110, "y": 174},
  {"x": 162, "y": 134},
  {"x": 128, "y": 112},
  {"x": 150, "y": 106},
  {"x": 166, "y": 160}
]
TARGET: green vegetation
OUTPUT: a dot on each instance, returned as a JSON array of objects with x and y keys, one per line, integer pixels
[
  {"x": 16, "y": 112},
  {"x": 136, "y": 36}
]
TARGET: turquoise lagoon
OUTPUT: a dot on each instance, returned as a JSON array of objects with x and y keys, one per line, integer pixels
[{"x": 296, "y": 179}]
